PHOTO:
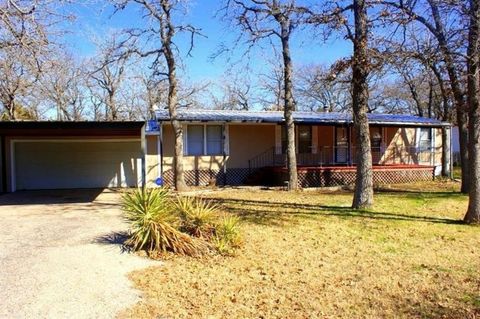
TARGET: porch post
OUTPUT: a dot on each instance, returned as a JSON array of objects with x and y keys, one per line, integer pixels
[
  {"x": 160, "y": 151},
  {"x": 349, "y": 145},
  {"x": 448, "y": 146}
]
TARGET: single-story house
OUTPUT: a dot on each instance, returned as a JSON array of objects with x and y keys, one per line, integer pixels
[
  {"x": 221, "y": 147},
  {"x": 237, "y": 147}
]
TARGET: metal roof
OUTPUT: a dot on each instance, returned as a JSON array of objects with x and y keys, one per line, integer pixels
[{"x": 202, "y": 115}]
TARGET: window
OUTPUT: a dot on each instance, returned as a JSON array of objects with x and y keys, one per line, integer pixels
[
  {"x": 425, "y": 140},
  {"x": 376, "y": 137},
  {"x": 195, "y": 139},
  {"x": 204, "y": 140},
  {"x": 304, "y": 139},
  {"x": 214, "y": 140}
]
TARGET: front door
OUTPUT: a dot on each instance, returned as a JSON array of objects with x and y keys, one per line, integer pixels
[{"x": 341, "y": 145}]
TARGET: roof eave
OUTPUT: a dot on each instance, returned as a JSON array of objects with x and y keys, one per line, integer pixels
[{"x": 318, "y": 122}]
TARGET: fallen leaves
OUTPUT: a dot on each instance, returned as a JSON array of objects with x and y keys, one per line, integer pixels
[{"x": 310, "y": 256}]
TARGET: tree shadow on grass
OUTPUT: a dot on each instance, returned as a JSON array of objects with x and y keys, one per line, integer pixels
[
  {"x": 414, "y": 194},
  {"x": 434, "y": 307},
  {"x": 276, "y": 213}
]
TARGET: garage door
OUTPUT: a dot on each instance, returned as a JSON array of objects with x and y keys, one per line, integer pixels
[{"x": 76, "y": 164}]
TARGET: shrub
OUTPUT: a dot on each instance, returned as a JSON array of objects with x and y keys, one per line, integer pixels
[
  {"x": 197, "y": 216},
  {"x": 154, "y": 223},
  {"x": 227, "y": 235}
]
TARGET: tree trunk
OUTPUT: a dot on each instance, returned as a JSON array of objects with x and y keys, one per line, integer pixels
[
  {"x": 167, "y": 36},
  {"x": 473, "y": 86},
  {"x": 289, "y": 105},
  {"x": 430, "y": 100},
  {"x": 458, "y": 94},
  {"x": 363, "y": 197},
  {"x": 111, "y": 107},
  {"x": 10, "y": 106}
]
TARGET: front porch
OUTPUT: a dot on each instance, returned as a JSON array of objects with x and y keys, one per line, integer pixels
[
  {"x": 347, "y": 156},
  {"x": 254, "y": 154},
  {"x": 328, "y": 157}
]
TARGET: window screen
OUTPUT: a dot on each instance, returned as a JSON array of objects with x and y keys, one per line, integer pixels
[
  {"x": 214, "y": 140},
  {"x": 195, "y": 140}
]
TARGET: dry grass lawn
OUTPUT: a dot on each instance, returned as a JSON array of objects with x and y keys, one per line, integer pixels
[{"x": 308, "y": 255}]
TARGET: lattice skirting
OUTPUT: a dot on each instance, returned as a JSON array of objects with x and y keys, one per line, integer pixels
[
  {"x": 232, "y": 176},
  {"x": 332, "y": 177},
  {"x": 306, "y": 178}
]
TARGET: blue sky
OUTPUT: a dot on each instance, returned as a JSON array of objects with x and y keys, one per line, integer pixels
[{"x": 98, "y": 21}]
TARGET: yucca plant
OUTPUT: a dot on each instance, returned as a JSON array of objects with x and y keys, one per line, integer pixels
[
  {"x": 197, "y": 216},
  {"x": 154, "y": 223},
  {"x": 227, "y": 235}
]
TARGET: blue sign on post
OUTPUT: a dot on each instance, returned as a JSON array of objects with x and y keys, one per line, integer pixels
[
  {"x": 152, "y": 126},
  {"x": 159, "y": 181}
]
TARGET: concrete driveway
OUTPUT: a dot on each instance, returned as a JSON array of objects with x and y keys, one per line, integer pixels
[{"x": 61, "y": 255}]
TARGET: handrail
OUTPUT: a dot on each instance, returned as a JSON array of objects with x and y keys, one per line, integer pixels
[
  {"x": 344, "y": 155},
  {"x": 264, "y": 159}
]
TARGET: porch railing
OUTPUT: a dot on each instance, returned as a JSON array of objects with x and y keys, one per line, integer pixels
[{"x": 344, "y": 155}]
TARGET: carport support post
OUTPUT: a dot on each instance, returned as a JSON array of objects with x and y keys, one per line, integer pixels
[
  {"x": 448, "y": 146},
  {"x": 4, "y": 164},
  {"x": 144, "y": 154},
  {"x": 160, "y": 151}
]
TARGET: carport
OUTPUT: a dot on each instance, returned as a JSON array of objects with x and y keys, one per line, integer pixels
[{"x": 69, "y": 155}]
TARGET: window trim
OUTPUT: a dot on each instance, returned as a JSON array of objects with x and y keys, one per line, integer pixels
[{"x": 224, "y": 132}]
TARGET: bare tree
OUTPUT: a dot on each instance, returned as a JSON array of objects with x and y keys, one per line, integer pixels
[
  {"x": 62, "y": 83},
  {"x": 317, "y": 89},
  {"x": 18, "y": 74},
  {"x": 272, "y": 85},
  {"x": 260, "y": 20},
  {"x": 434, "y": 16},
  {"x": 158, "y": 43},
  {"x": 22, "y": 24},
  {"x": 473, "y": 80},
  {"x": 416, "y": 56},
  {"x": 25, "y": 31},
  {"x": 108, "y": 72},
  {"x": 236, "y": 93}
]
